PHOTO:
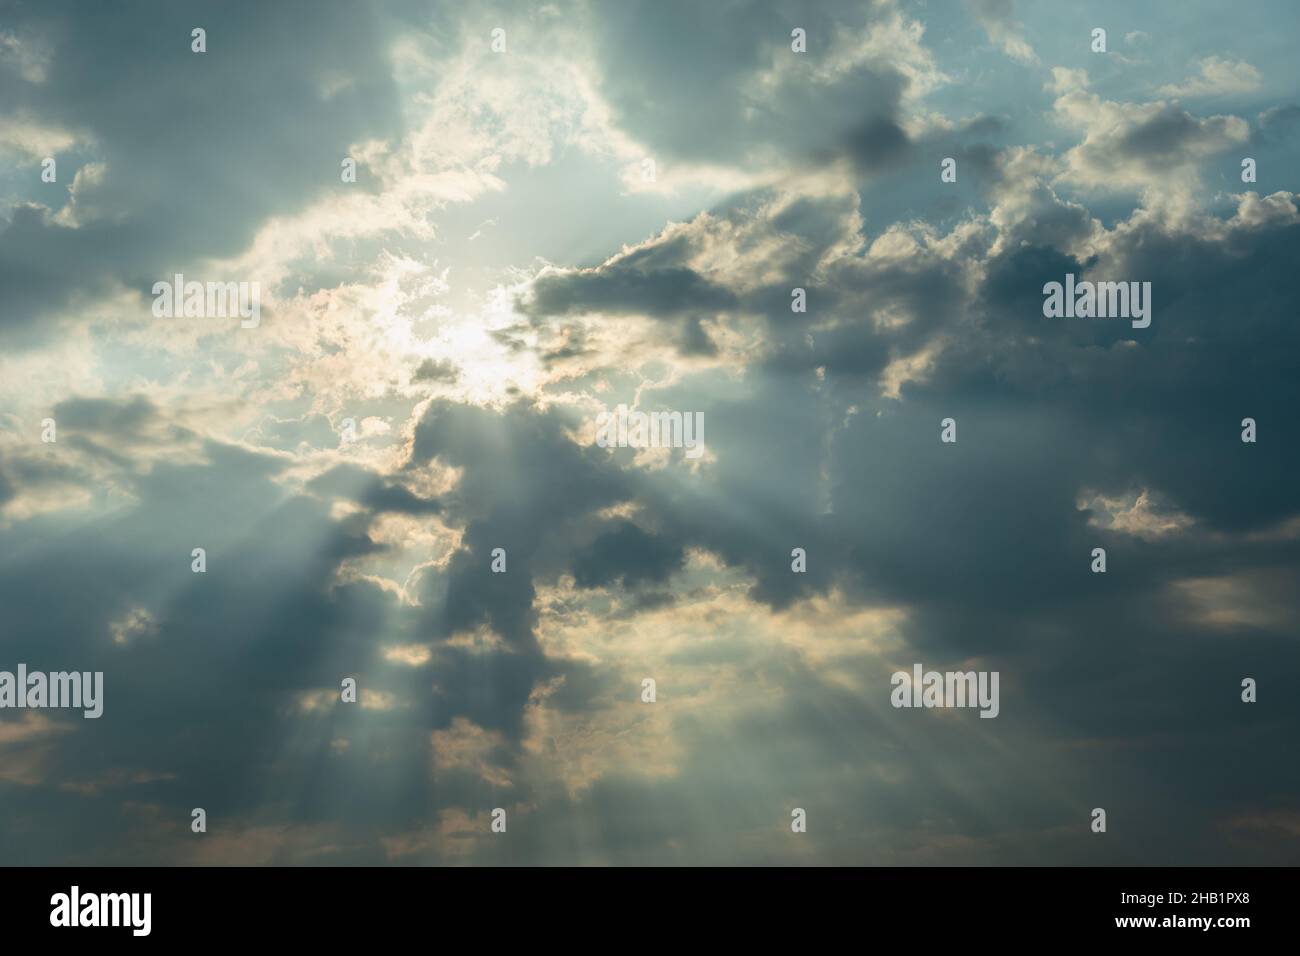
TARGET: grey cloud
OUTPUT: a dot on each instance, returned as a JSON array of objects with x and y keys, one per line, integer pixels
[
  {"x": 198, "y": 149},
  {"x": 693, "y": 94},
  {"x": 628, "y": 555},
  {"x": 431, "y": 370},
  {"x": 371, "y": 490}
]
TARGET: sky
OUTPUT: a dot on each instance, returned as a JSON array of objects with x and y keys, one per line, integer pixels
[{"x": 473, "y": 231}]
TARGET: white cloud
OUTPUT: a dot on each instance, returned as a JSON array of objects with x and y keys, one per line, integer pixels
[
  {"x": 995, "y": 16},
  {"x": 30, "y": 139},
  {"x": 1216, "y": 77},
  {"x": 1153, "y": 148}
]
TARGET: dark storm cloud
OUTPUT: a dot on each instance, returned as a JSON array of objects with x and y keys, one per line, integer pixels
[
  {"x": 984, "y": 541},
  {"x": 192, "y": 694},
  {"x": 535, "y": 504},
  {"x": 1186, "y": 440},
  {"x": 522, "y": 507},
  {"x": 202, "y": 695},
  {"x": 876, "y": 144},
  {"x": 265, "y": 623},
  {"x": 1012, "y": 355},
  {"x": 1051, "y": 408},
  {"x": 626, "y": 554}
]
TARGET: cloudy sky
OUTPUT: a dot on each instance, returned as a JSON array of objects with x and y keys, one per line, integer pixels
[{"x": 613, "y": 207}]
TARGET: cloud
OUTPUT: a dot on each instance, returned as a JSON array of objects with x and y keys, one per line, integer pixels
[
  {"x": 1276, "y": 123},
  {"x": 997, "y": 17},
  {"x": 194, "y": 207},
  {"x": 1157, "y": 147},
  {"x": 31, "y": 140},
  {"x": 1216, "y": 76},
  {"x": 730, "y": 90},
  {"x": 473, "y": 373}
]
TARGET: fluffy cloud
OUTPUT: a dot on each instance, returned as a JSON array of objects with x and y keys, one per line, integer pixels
[{"x": 1216, "y": 76}]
